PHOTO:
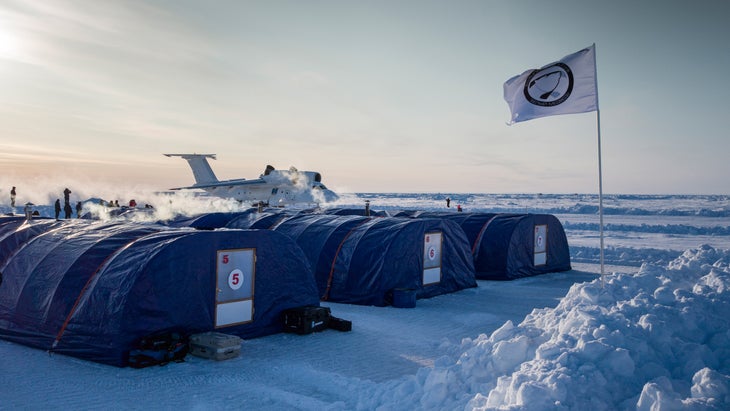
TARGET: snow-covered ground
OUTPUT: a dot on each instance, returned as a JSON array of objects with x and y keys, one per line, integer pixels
[{"x": 652, "y": 334}]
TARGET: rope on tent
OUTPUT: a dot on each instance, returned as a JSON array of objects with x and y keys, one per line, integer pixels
[
  {"x": 83, "y": 291},
  {"x": 326, "y": 295},
  {"x": 478, "y": 239}
]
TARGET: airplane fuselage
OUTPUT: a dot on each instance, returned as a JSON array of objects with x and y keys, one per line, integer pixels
[
  {"x": 272, "y": 190},
  {"x": 274, "y": 187}
]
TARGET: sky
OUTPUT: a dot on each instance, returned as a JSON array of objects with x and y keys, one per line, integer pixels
[{"x": 378, "y": 96}]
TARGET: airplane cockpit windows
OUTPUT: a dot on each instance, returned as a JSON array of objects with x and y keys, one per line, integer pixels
[{"x": 274, "y": 190}]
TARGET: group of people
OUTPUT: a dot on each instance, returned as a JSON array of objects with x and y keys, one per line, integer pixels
[
  {"x": 67, "y": 210},
  {"x": 115, "y": 203},
  {"x": 66, "y": 207},
  {"x": 111, "y": 203}
]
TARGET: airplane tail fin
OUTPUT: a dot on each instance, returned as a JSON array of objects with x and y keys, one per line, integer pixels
[{"x": 199, "y": 164}]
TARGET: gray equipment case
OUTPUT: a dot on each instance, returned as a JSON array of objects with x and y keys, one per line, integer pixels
[{"x": 215, "y": 346}]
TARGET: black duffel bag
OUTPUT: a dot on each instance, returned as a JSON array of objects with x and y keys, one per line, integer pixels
[{"x": 159, "y": 349}]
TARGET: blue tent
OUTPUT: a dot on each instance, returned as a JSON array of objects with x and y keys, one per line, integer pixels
[
  {"x": 508, "y": 246},
  {"x": 520, "y": 245},
  {"x": 361, "y": 260},
  {"x": 91, "y": 289}
]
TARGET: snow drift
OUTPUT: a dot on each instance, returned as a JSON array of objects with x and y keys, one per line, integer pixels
[{"x": 657, "y": 340}]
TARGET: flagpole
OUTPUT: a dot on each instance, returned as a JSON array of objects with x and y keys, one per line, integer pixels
[{"x": 600, "y": 170}]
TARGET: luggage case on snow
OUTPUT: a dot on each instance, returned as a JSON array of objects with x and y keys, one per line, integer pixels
[
  {"x": 215, "y": 346},
  {"x": 305, "y": 320}
]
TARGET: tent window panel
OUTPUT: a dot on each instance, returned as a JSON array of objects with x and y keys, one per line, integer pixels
[{"x": 233, "y": 313}]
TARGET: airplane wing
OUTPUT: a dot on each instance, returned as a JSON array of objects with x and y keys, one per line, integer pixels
[{"x": 225, "y": 183}]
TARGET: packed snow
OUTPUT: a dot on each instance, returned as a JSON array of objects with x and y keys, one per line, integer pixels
[{"x": 651, "y": 334}]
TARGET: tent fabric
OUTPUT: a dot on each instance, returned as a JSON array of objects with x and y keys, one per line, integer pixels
[
  {"x": 361, "y": 260},
  {"x": 403, "y": 213},
  {"x": 264, "y": 220},
  {"x": 248, "y": 219},
  {"x": 320, "y": 238},
  {"x": 206, "y": 221},
  {"x": 507, "y": 247},
  {"x": 472, "y": 223},
  {"x": 91, "y": 289},
  {"x": 15, "y": 234}
]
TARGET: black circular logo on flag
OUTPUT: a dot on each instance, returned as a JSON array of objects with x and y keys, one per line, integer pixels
[{"x": 550, "y": 85}]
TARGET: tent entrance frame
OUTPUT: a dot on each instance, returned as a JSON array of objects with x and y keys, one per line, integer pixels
[
  {"x": 540, "y": 246},
  {"x": 235, "y": 280},
  {"x": 432, "y": 252}
]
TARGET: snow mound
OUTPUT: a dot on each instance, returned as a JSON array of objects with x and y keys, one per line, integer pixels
[{"x": 656, "y": 340}]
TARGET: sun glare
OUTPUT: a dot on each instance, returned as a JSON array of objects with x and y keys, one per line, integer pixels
[{"x": 9, "y": 45}]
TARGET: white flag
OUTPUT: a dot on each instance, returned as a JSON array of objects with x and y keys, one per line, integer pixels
[{"x": 564, "y": 87}]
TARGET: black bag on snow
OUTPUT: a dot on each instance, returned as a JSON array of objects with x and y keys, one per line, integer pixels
[
  {"x": 158, "y": 349},
  {"x": 306, "y": 319}
]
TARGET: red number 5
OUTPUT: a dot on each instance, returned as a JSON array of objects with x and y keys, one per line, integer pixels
[
  {"x": 225, "y": 258},
  {"x": 235, "y": 279}
]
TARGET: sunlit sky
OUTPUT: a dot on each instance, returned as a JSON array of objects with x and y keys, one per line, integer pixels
[{"x": 378, "y": 96}]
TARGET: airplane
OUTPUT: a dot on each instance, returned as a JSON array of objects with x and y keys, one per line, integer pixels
[{"x": 273, "y": 187}]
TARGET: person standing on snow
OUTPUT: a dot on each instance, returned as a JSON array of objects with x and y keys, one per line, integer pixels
[
  {"x": 79, "y": 207},
  {"x": 12, "y": 197},
  {"x": 67, "y": 210},
  {"x": 28, "y": 209},
  {"x": 57, "y": 207}
]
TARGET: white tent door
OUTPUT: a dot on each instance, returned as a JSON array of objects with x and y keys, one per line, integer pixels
[
  {"x": 432, "y": 258},
  {"x": 540, "y": 253},
  {"x": 235, "y": 273}
]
